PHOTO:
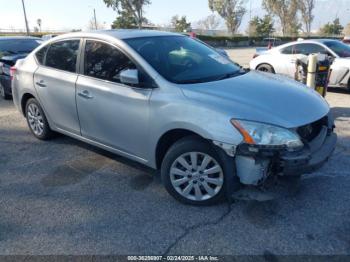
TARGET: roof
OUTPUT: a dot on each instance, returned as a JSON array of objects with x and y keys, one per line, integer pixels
[
  {"x": 119, "y": 34},
  {"x": 320, "y": 40},
  {"x": 134, "y": 33},
  {"x": 18, "y": 38}
]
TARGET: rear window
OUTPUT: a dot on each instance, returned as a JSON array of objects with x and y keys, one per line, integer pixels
[{"x": 18, "y": 46}]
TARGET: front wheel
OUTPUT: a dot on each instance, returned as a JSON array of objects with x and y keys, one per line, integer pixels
[
  {"x": 265, "y": 68},
  {"x": 194, "y": 172}
]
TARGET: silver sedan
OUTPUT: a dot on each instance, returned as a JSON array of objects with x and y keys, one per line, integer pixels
[{"x": 174, "y": 104}]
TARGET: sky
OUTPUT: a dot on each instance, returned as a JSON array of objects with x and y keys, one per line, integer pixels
[{"x": 75, "y": 14}]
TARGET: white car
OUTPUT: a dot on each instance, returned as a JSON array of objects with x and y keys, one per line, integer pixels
[{"x": 281, "y": 60}]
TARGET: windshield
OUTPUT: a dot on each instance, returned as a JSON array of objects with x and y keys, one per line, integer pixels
[
  {"x": 339, "y": 48},
  {"x": 182, "y": 60},
  {"x": 18, "y": 46}
]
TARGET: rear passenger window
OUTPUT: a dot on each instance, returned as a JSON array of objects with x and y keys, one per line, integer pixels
[
  {"x": 105, "y": 62},
  {"x": 63, "y": 55},
  {"x": 40, "y": 55}
]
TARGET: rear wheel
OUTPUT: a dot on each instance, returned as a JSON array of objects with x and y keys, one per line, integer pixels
[
  {"x": 3, "y": 94},
  {"x": 194, "y": 172},
  {"x": 265, "y": 68},
  {"x": 37, "y": 121}
]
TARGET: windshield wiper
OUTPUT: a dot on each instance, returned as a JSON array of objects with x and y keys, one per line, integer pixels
[{"x": 230, "y": 75}]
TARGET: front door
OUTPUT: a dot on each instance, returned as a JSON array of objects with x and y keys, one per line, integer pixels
[{"x": 112, "y": 113}]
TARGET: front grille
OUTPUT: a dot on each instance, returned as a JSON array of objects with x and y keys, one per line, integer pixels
[{"x": 310, "y": 132}]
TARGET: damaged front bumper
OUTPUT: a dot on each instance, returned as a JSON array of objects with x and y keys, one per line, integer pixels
[{"x": 255, "y": 163}]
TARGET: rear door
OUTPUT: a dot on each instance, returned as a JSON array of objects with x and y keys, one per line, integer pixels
[
  {"x": 112, "y": 113},
  {"x": 55, "y": 82}
]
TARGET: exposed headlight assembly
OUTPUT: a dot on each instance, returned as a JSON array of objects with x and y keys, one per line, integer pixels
[{"x": 260, "y": 134}]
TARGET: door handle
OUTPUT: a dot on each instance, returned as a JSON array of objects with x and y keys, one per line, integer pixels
[
  {"x": 41, "y": 83},
  {"x": 85, "y": 94}
]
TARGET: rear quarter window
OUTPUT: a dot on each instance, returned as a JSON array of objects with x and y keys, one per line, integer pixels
[
  {"x": 63, "y": 55},
  {"x": 40, "y": 55}
]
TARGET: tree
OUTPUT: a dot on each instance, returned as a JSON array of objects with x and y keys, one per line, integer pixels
[
  {"x": 129, "y": 8},
  {"x": 346, "y": 31},
  {"x": 287, "y": 13},
  {"x": 232, "y": 11},
  {"x": 306, "y": 8},
  {"x": 180, "y": 24},
  {"x": 210, "y": 22},
  {"x": 334, "y": 28},
  {"x": 261, "y": 27},
  {"x": 124, "y": 20},
  {"x": 39, "y": 22}
]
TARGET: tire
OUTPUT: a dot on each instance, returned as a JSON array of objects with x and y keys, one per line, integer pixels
[
  {"x": 3, "y": 94},
  {"x": 190, "y": 181},
  {"x": 265, "y": 68},
  {"x": 37, "y": 121}
]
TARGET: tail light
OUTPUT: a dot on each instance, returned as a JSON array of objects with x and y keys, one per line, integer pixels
[{"x": 13, "y": 70}]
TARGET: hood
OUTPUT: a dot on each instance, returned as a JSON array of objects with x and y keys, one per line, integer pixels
[{"x": 261, "y": 97}]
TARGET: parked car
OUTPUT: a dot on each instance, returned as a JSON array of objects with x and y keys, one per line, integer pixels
[
  {"x": 268, "y": 43},
  {"x": 48, "y": 37},
  {"x": 12, "y": 49},
  {"x": 174, "y": 104},
  {"x": 346, "y": 40},
  {"x": 281, "y": 60}
]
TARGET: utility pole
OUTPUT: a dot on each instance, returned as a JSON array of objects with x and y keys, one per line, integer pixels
[
  {"x": 95, "y": 18},
  {"x": 25, "y": 17},
  {"x": 250, "y": 20}
]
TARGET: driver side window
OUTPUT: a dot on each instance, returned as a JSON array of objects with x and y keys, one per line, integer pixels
[{"x": 105, "y": 62}]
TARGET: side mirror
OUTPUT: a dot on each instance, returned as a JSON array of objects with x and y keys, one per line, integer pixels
[{"x": 130, "y": 77}]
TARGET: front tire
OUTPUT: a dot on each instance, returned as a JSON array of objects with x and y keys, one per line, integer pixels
[
  {"x": 37, "y": 121},
  {"x": 195, "y": 173},
  {"x": 265, "y": 68}
]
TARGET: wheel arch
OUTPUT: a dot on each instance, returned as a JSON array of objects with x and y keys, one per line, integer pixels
[
  {"x": 24, "y": 99},
  {"x": 266, "y": 63},
  {"x": 168, "y": 139}
]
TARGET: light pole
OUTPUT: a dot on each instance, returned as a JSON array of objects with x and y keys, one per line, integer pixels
[
  {"x": 95, "y": 19},
  {"x": 25, "y": 17}
]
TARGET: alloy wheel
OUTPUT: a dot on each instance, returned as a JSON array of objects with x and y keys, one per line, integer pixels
[
  {"x": 196, "y": 176},
  {"x": 35, "y": 119}
]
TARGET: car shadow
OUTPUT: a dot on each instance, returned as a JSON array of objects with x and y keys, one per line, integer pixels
[{"x": 65, "y": 140}]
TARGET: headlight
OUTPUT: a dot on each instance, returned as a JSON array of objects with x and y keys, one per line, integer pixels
[{"x": 262, "y": 134}]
